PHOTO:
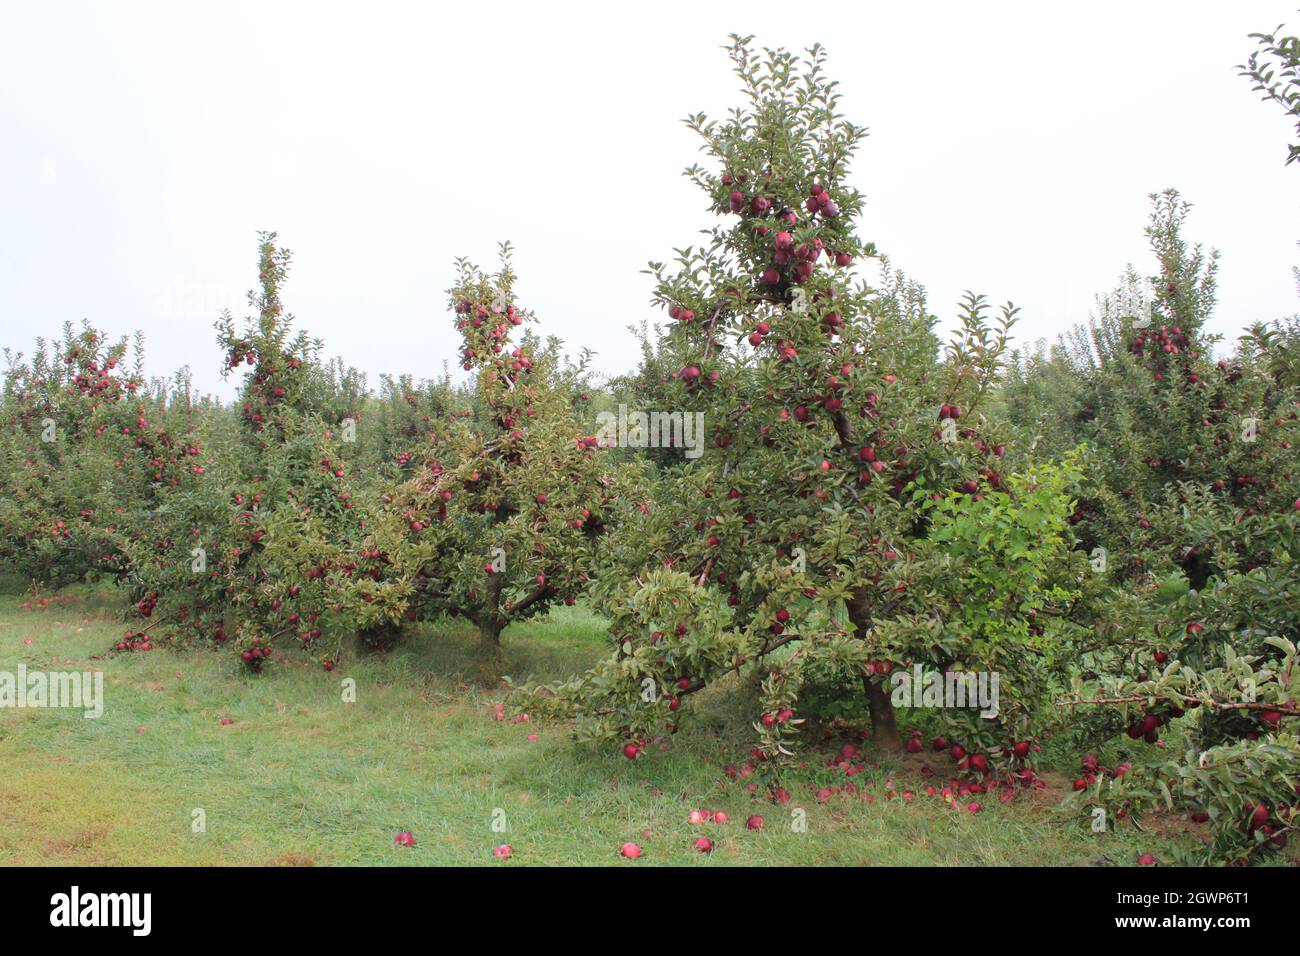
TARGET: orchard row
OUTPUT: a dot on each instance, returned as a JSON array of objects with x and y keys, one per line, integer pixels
[{"x": 1093, "y": 524}]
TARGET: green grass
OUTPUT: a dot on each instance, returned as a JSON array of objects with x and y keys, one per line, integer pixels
[{"x": 302, "y": 777}]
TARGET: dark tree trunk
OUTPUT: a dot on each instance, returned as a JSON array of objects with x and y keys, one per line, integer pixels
[
  {"x": 490, "y": 626},
  {"x": 489, "y": 637},
  {"x": 378, "y": 639},
  {"x": 884, "y": 727}
]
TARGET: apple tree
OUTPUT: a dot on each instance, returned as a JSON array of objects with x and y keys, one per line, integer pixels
[
  {"x": 87, "y": 448},
  {"x": 1190, "y": 517},
  {"x": 508, "y": 496},
  {"x": 241, "y": 553},
  {"x": 829, "y": 533}
]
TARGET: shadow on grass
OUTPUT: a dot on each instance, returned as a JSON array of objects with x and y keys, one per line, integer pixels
[{"x": 444, "y": 655}]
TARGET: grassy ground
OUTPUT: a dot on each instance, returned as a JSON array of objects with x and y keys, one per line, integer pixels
[{"x": 301, "y": 777}]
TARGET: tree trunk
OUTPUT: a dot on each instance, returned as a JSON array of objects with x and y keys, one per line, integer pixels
[
  {"x": 884, "y": 727},
  {"x": 489, "y": 647},
  {"x": 378, "y": 639},
  {"x": 489, "y": 630}
]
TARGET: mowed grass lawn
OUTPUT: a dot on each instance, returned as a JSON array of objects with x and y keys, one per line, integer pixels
[{"x": 299, "y": 777}]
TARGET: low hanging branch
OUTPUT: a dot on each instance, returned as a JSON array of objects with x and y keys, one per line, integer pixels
[{"x": 1283, "y": 709}]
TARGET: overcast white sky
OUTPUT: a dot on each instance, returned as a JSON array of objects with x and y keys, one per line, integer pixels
[{"x": 1012, "y": 149}]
